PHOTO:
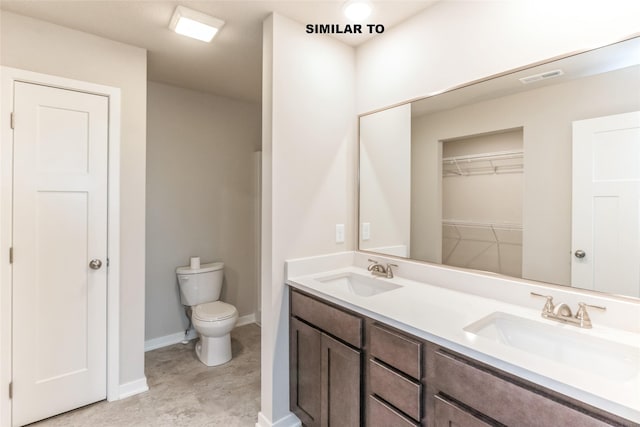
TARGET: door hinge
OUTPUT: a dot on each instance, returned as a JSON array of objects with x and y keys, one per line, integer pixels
[
  {"x": 11, "y": 390},
  {"x": 107, "y": 262},
  {"x": 11, "y": 255},
  {"x": 13, "y": 121}
]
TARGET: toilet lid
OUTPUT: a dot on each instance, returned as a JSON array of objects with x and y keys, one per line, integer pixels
[{"x": 216, "y": 310}]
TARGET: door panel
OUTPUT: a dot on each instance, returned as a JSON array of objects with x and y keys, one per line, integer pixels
[
  {"x": 305, "y": 372},
  {"x": 606, "y": 204},
  {"x": 59, "y": 225},
  {"x": 65, "y": 276},
  {"x": 340, "y": 384}
]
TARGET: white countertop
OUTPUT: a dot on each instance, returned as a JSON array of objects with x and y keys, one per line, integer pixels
[{"x": 439, "y": 315}]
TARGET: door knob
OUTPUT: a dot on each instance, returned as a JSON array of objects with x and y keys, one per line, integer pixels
[
  {"x": 95, "y": 264},
  {"x": 580, "y": 253}
]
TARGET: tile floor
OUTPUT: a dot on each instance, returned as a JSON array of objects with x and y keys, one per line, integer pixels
[{"x": 184, "y": 392}]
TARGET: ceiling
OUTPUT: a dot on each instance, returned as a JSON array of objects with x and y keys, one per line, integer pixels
[{"x": 231, "y": 65}]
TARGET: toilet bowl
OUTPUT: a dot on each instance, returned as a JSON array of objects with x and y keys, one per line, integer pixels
[
  {"x": 200, "y": 289},
  {"x": 214, "y": 321}
]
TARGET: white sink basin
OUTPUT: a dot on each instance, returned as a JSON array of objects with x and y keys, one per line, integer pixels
[
  {"x": 557, "y": 342},
  {"x": 357, "y": 284}
]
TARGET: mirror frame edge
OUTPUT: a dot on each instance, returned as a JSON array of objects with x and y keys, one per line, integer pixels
[{"x": 358, "y": 230}]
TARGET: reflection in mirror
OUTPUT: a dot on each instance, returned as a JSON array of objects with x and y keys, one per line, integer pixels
[
  {"x": 482, "y": 202},
  {"x": 385, "y": 181},
  {"x": 533, "y": 174}
]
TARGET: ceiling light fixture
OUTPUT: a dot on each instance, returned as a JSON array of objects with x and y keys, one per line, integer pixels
[
  {"x": 195, "y": 24},
  {"x": 357, "y": 10}
]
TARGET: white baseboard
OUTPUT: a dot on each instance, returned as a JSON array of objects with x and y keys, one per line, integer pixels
[
  {"x": 133, "y": 387},
  {"x": 289, "y": 420},
  {"x": 155, "y": 343},
  {"x": 246, "y": 320},
  {"x": 167, "y": 340}
]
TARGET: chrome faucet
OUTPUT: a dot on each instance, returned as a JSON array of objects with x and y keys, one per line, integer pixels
[
  {"x": 379, "y": 269},
  {"x": 562, "y": 312}
]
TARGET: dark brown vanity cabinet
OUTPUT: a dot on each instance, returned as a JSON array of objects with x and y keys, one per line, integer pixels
[
  {"x": 466, "y": 392},
  {"x": 325, "y": 363},
  {"x": 348, "y": 371}
]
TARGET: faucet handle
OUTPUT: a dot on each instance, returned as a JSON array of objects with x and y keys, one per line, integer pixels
[
  {"x": 548, "y": 306},
  {"x": 371, "y": 266},
  {"x": 390, "y": 271},
  {"x": 583, "y": 317},
  {"x": 583, "y": 305}
]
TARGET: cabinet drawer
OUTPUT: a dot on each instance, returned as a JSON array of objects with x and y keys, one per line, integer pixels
[
  {"x": 396, "y": 350},
  {"x": 448, "y": 414},
  {"x": 396, "y": 389},
  {"x": 330, "y": 319},
  {"x": 382, "y": 415},
  {"x": 502, "y": 399}
]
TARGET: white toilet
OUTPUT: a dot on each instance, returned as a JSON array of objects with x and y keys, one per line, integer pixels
[{"x": 213, "y": 320}]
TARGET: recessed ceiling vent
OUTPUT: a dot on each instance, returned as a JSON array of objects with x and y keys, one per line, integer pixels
[{"x": 541, "y": 76}]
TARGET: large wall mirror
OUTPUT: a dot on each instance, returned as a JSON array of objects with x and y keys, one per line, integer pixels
[{"x": 533, "y": 174}]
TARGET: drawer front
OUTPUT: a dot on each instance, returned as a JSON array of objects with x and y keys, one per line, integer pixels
[
  {"x": 330, "y": 319},
  {"x": 382, "y": 415},
  {"x": 403, "y": 353},
  {"x": 500, "y": 398},
  {"x": 396, "y": 389},
  {"x": 448, "y": 414}
]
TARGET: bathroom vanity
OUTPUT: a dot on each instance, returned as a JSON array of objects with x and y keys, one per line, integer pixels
[
  {"x": 461, "y": 336},
  {"x": 371, "y": 351}
]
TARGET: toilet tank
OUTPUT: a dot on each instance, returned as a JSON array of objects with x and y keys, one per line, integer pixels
[{"x": 200, "y": 285}]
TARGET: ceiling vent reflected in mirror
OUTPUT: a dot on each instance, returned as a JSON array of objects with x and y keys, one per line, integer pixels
[{"x": 541, "y": 76}]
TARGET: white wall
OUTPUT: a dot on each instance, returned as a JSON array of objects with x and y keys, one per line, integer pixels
[
  {"x": 308, "y": 175},
  {"x": 455, "y": 42},
  {"x": 385, "y": 178},
  {"x": 200, "y": 198},
  {"x": 38, "y": 46}
]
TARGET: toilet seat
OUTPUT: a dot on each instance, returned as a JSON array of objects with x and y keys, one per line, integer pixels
[{"x": 214, "y": 311}]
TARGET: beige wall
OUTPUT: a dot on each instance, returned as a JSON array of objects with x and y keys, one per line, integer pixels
[
  {"x": 200, "y": 198},
  {"x": 545, "y": 115},
  {"x": 38, "y": 46},
  {"x": 385, "y": 179},
  {"x": 308, "y": 175}
]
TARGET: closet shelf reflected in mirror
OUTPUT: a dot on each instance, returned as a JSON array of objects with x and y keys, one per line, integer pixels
[
  {"x": 495, "y": 247},
  {"x": 483, "y": 164}
]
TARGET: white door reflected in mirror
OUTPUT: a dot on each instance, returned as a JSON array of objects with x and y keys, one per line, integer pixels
[{"x": 606, "y": 204}]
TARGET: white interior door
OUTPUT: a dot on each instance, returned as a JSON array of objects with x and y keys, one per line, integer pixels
[
  {"x": 59, "y": 226},
  {"x": 606, "y": 204}
]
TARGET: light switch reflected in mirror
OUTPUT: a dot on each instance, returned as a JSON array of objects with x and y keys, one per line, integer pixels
[{"x": 515, "y": 177}]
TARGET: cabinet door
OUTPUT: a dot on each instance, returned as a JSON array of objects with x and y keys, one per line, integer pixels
[
  {"x": 305, "y": 369},
  {"x": 449, "y": 415},
  {"x": 341, "y": 367}
]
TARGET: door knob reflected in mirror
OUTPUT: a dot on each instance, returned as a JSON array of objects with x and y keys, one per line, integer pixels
[
  {"x": 95, "y": 264},
  {"x": 580, "y": 253}
]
